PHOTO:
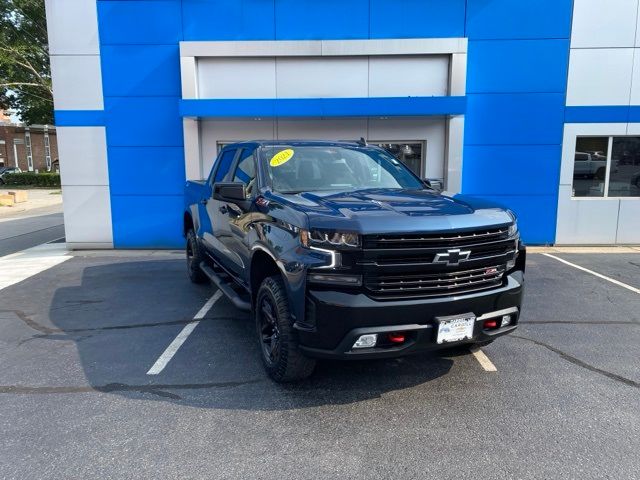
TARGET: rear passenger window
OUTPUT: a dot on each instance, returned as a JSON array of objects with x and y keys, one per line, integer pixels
[
  {"x": 226, "y": 159},
  {"x": 246, "y": 171}
]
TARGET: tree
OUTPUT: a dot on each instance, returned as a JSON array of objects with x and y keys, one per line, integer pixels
[{"x": 25, "y": 76}]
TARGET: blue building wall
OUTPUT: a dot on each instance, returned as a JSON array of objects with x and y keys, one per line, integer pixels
[
  {"x": 516, "y": 89},
  {"x": 517, "y": 63}
]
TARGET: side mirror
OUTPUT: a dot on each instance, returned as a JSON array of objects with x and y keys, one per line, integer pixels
[
  {"x": 433, "y": 184},
  {"x": 229, "y": 191}
]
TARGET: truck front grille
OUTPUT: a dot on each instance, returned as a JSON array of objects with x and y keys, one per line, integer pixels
[
  {"x": 407, "y": 266},
  {"x": 440, "y": 240},
  {"x": 435, "y": 285}
]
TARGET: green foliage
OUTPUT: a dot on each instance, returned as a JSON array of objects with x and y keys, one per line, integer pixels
[
  {"x": 33, "y": 179},
  {"x": 25, "y": 78}
]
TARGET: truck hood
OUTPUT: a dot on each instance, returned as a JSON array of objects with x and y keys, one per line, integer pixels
[{"x": 393, "y": 211}]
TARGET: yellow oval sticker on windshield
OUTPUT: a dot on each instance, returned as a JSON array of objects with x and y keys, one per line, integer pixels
[{"x": 281, "y": 157}]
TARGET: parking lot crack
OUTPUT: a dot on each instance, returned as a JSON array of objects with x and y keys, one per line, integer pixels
[
  {"x": 142, "y": 325},
  {"x": 32, "y": 323},
  {"x": 76, "y": 303},
  {"x": 156, "y": 389},
  {"x": 56, "y": 336},
  {"x": 580, "y": 363},
  {"x": 47, "y": 331}
]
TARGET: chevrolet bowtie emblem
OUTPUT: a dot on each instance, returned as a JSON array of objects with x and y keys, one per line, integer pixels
[{"x": 452, "y": 257}]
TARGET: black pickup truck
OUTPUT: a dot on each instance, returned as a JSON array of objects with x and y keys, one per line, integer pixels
[{"x": 340, "y": 251}]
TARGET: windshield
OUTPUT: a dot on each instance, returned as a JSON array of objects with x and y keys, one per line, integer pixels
[{"x": 295, "y": 169}]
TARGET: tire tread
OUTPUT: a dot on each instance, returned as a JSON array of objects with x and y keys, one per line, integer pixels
[
  {"x": 293, "y": 365},
  {"x": 196, "y": 275}
]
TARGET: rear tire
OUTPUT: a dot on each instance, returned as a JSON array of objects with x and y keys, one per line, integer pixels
[
  {"x": 194, "y": 258},
  {"x": 281, "y": 355}
]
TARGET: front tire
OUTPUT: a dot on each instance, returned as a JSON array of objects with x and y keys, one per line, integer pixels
[
  {"x": 281, "y": 356},
  {"x": 194, "y": 258}
]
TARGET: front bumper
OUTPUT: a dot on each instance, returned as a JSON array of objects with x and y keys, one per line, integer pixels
[{"x": 336, "y": 319}]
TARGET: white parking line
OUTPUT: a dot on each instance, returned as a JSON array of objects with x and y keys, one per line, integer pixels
[
  {"x": 19, "y": 266},
  {"x": 599, "y": 275},
  {"x": 173, "y": 347},
  {"x": 483, "y": 360}
]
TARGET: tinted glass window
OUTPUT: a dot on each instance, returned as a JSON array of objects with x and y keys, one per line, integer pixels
[
  {"x": 593, "y": 166},
  {"x": 590, "y": 166},
  {"x": 224, "y": 164},
  {"x": 624, "y": 178},
  {"x": 246, "y": 171}
]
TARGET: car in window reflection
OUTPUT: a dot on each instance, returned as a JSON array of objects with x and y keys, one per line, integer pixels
[{"x": 590, "y": 165}]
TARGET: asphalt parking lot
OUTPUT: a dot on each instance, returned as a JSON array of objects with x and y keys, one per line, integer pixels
[{"x": 77, "y": 341}]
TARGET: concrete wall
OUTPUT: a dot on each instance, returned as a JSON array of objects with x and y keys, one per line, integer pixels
[{"x": 603, "y": 99}]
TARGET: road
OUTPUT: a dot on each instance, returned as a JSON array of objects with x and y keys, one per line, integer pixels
[
  {"x": 79, "y": 401},
  {"x": 30, "y": 229}
]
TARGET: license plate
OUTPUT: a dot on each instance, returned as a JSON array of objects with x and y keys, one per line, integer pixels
[{"x": 456, "y": 329}]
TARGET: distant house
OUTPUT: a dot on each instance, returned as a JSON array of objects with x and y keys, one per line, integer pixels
[{"x": 32, "y": 148}]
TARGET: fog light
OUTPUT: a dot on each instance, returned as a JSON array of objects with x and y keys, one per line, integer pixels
[
  {"x": 506, "y": 320},
  {"x": 366, "y": 341},
  {"x": 490, "y": 324},
  {"x": 511, "y": 264},
  {"x": 396, "y": 337}
]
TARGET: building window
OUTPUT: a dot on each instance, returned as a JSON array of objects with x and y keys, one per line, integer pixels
[
  {"x": 410, "y": 153},
  {"x": 624, "y": 178},
  {"x": 607, "y": 167},
  {"x": 27, "y": 142},
  {"x": 47, "y": 149}
]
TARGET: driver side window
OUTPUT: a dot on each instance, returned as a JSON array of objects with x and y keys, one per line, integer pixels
[
  {"x": 245, "y": 171},
  {"x": 224, "y": 165}
]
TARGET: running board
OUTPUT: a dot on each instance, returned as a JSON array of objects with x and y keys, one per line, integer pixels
[{"x": 225, "y": 287}]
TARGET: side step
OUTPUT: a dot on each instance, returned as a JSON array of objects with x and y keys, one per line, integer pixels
[{"x": 225, "y": 287}]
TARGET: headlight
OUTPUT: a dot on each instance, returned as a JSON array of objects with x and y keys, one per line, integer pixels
[
  {"x": 513, "y": 228},
  {"x": 329, "y": 239}
]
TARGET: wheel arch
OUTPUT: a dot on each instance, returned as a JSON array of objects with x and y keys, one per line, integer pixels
[
  {"x": 189, "y": 221},
  {"x": 263, "y": 265}
]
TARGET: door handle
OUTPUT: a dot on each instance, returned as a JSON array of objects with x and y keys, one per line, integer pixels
[
  {"x": 204, "y": 201},
  {"x": 223, "y": 209}
]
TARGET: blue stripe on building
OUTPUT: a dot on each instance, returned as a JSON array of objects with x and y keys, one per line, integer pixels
[{"x": 323, "y": 107}]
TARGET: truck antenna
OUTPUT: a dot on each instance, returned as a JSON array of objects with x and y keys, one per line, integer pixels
[{"x": 362, "y": 142}]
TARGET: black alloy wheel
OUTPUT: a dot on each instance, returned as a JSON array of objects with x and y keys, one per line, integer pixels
[
  {"x": 279, "y": 348},
  {"x": 194, "y": 258},
  {"x": 269, "y": 331}
]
